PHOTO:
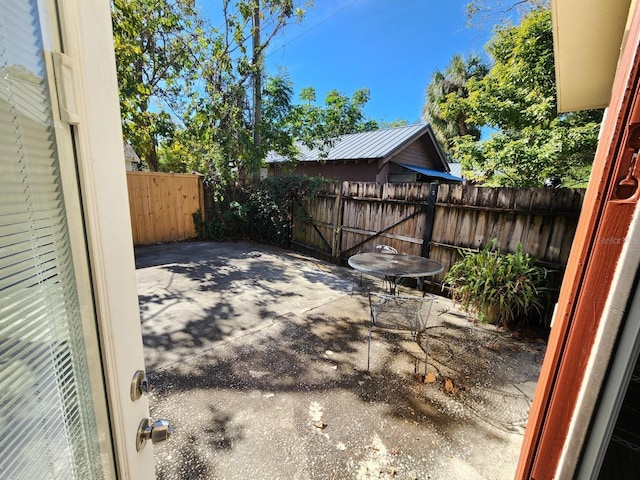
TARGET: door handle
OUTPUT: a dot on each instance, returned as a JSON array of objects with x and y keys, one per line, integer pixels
[
  {"x": 139, "y": 385},
  {"x": 159, "y": 431}
]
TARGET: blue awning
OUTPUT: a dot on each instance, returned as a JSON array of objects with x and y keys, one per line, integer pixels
[{"x": 429, "y": 172}]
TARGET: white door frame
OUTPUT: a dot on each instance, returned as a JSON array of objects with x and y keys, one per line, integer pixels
[{"x": 91, "y": 92}]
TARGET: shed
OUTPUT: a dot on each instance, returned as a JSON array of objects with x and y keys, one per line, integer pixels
[
  {"x": 392, "y": 155},
  {"x": 131, "y": 158}
]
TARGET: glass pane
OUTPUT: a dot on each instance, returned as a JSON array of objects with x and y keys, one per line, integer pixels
[{"x": 46, "y": 409}]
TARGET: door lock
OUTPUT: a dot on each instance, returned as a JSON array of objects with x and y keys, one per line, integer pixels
[
  {"x": 158, "y": 432},
  {"x": 139, "y": 385}
]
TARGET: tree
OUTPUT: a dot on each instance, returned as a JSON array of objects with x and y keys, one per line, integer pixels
[
  {"x": 191, "y": 91},
  {"x": 276, "y": 129},
  {"x": 517, "y": 99},
  {"x": 156, "y": 45},
  {"x": 231, "y": 73},
  {"x": 398, "y": 122},
  {"x": 479, "y": 11},
  {"x": 345, "y": 115},
  {"x": 449, "y": 86}
]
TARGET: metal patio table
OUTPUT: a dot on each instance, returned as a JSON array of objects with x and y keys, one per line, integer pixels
[{"x": 394, "y": 268}]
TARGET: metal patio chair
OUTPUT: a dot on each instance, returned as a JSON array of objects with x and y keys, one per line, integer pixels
[
  {"x": 404, "y": 313},
  {"x": 386, "y": 249},
  {"x": 361, "y": 280}
]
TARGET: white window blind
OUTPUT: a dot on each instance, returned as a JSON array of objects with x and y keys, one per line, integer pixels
[{"x": 47, "y": 423}]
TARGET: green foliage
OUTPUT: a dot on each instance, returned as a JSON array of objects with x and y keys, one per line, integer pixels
[
  {"x": 189, "y": 90},
  {"x": 521, "y": 83},
  {"x": 447, "y": 116},
  {"x": 232, "y": 224},
  {"x": 226, "y": 108},
  {"x": 182, "y": 156},
  {"x": 316, "y": 125},
  {"x": 505, "y": 289},
  {"x": 226, "y": 204},
  {"x": 277, "y": 130},
  {"x": 186, "y": 87},
  {"x": 516, "y": 100},
  {"x": 261, "y": 212},
  {"x": 155, "y": 44},
  {"x": 398, "y": 122},
  {"x": 272, "y": 204}
]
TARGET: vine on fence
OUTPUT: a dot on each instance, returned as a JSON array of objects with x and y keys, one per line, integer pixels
[{"x": 260, "y": 212}]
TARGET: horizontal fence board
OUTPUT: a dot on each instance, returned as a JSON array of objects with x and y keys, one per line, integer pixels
[{"x": 162, "y": 205}]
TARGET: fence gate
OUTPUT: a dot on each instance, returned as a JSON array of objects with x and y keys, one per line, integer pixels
[
  {"x": 436, "y": 221},
  {"x": 344, "y": 219}
]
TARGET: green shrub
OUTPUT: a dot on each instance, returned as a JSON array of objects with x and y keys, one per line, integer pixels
[
  {"x": 262, "y": 212},
  {"x": 504, "y": 289},
  {"x": 232, "y": 224}
]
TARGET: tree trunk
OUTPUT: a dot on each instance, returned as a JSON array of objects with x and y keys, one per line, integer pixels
[
  {"x": 152, "y": 158},
  {"x": 462, "y": 126}
]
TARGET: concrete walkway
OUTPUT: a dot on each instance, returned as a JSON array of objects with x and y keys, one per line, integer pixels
[{"x": 258, "y": 356}]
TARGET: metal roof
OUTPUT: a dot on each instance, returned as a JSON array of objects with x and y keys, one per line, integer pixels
[
  {"x": 375, "y": 144},
  {"x": 455, "y": 169},
  {"x": 430, "y": 172}
]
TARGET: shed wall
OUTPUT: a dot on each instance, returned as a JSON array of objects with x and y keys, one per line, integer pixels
[
  {"x": 416, "y": 154},
  {"x": 353, "y": 171}
]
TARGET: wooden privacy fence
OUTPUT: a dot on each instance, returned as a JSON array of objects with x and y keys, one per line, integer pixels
[
  {"x": 436, "y": 220},
  {"x": 162, "y": 206}
]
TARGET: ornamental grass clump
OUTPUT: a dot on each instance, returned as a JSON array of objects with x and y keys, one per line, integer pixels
[{"x": 503, "y": 289}]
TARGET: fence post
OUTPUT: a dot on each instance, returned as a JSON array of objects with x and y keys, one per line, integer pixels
[
  {"x": 430, "y": 209},
  {"x": 337, "y": 223}
]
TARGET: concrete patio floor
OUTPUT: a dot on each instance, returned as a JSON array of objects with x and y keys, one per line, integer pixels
[{"x": 258, "y": 356}]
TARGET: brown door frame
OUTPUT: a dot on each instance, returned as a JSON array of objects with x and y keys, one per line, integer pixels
[{"x": 602, "y": 230}]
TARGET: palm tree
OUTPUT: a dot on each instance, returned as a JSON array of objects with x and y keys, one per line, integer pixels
[{"x": 452, "y": 81}]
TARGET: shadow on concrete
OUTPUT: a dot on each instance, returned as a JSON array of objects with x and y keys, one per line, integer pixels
[
  {"x": 219, "y": 293},
  {"x": 263, "y": 339}
]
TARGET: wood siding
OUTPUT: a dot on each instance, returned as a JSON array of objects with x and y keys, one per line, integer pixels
[
  {"x": 162, "y": 206},
  {"x": 416, "y": 154}
]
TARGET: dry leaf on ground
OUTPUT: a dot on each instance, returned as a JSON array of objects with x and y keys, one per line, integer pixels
[{"x": 448, "y": 385}]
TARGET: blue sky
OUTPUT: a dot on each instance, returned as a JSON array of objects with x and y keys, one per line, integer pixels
[{"x": 391, "y": 47}]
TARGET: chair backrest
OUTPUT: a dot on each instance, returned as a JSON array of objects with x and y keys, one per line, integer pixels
[
  {"x": 400, "y": 312},
  {"x": 386, "y": 249}
]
